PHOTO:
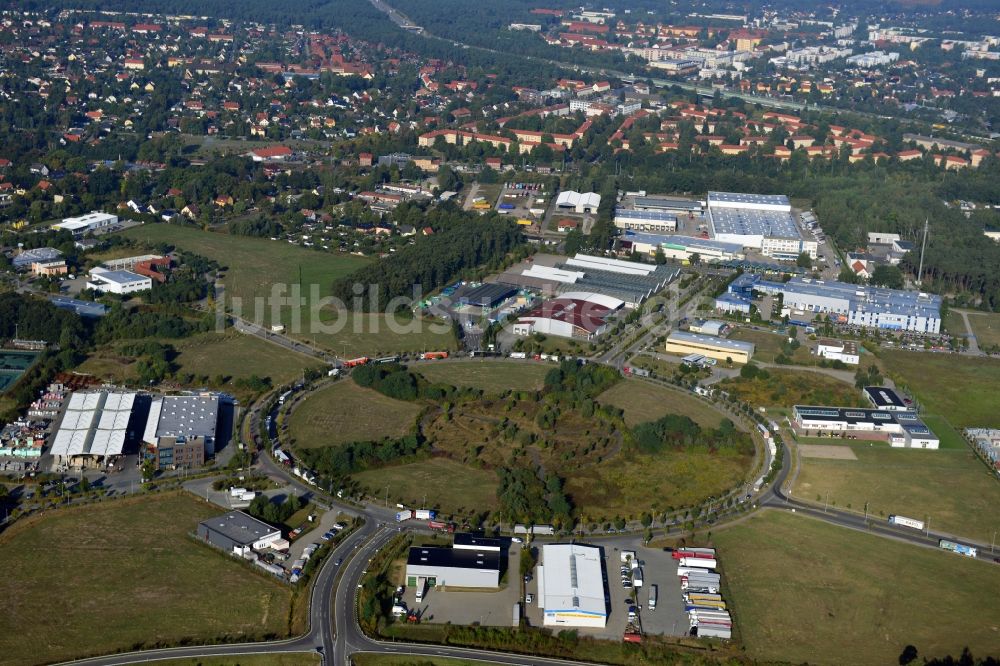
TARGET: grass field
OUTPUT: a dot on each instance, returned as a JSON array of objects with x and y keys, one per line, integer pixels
[
  {"x": 122, "y": 574},
  {"x": 804, "y": 591},
  {"x": 345, "y": 412},
  {"x": 950, "y": 487},
  {"x": 464, "y": 488},
  {"x": 959, "y": 388},
  {"x": 644, "y": 401},
  {"x": 491, "y": 376},
  {"x": 986, "y": 326},
  {"x": 272, "y": 659},
  {"x": 230, "y": 354},
  {"x": 255, "y": 265}
]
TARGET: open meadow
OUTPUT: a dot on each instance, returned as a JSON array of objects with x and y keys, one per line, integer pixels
[
  {"x": 950, "y": 487},
  {"x": 805, "y": 591},
  {"x": 253, "y": 267},
  {"x": 961, "y": 389},
  {"x": 345, "y": 412},
  {"x": 986, "y": 326},
  {"x": 644, "y": 401},
  {"x": 449, "y": 484},
  {"x": 490, "y": 376},
  {"x": 123, "y": 574},
  {"x": 231, "y": 355}
]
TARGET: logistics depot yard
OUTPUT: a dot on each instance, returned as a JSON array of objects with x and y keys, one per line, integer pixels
[{"x": 477, "y": 580}]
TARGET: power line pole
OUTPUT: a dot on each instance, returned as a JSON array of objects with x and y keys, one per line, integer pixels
[{"x": 923, "y": 246}]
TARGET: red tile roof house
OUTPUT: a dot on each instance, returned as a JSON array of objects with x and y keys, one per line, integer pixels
[{"x": 270, "y": 153}]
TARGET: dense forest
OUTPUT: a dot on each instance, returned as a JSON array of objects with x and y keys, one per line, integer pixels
[{"x": 459, "y": 243}]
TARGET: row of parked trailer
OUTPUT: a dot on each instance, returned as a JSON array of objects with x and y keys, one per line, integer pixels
[{"x": 707, "y": 612}]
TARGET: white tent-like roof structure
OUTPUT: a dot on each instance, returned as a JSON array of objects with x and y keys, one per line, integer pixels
[{"x": 95, "y": 424}]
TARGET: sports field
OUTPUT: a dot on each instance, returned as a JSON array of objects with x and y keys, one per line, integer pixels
[
  {"x": 124, "y": 574},
  {"x": 805, "y": 591},
  {"x": 491, "y": 376},
  {"x": 345, "y": 412},
  {"x": 951, "y": 488},
  {"x": 961, "y": 389},
  {"x": 644, "y": 401},
  {"x": 259, "y": 268},
  {"x": 452, "y": 485},
  {"x": 13, "y": 364}
]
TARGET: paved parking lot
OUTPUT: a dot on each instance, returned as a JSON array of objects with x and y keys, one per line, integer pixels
[
  {"x": 458, "y": 606},
  {"x": 660, "y": 569}
]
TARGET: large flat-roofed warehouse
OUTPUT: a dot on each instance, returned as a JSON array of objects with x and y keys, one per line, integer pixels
[
  {"x": 901, "y": 429},
  {"x": 94, "y": 428},
  {"x": 858, "y": 305},
  {"x": 681, "y": 248},
  {"x": 652, "y": 221},
  {"x": 683, "y": 343},
  {"x": 668, "y": 205},
  {"x": 180, "y": 430},
  {"x": 237, "y": 532},
  {"x": 628, "y": 281},
  {"x": 571, "y": 586},
  {"x": 760, "y": 221},
  {"x": 488, "y": 295},
  {"x": 453, "y": 567}
]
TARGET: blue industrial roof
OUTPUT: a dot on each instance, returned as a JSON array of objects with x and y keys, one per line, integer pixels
[
  {"x": 655, "y": 215},
  {"x": 82, "y": 308},
  {"x": 684, "y": 241}
]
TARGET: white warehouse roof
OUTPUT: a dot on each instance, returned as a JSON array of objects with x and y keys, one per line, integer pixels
[
  {"x": 611, "y": 265},
  {"x": 571, "y": 585},
  {"x": 95, "y": 424},
  {"x": 572, "y": 199},
  {"x": 591, "y": 297}
]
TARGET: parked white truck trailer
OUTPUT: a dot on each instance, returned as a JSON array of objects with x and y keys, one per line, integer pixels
[{"x": 703, "y": 562}]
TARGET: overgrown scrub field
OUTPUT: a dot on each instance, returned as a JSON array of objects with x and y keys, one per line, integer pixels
[
  {"x": 345, "y": 412},
  {"x": 799, "y": 586},
  {"x": 451, "y": 484},
  {"x": 767, "y": 346},
  {"x": 961, "y": 389},
  {"x": 655, "y": 481},
  {"x": 490, "y": 376},
  {"x": 125, "y": 574},
  {"x": 644, "y": 401},
  {"x": 950, "y": 487},
  {"x": 254, "y": 265},
  {"x": 230, "y": 354},
  {"x": 785, "y": 388},
  {"x": 492, "y": 434}
]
